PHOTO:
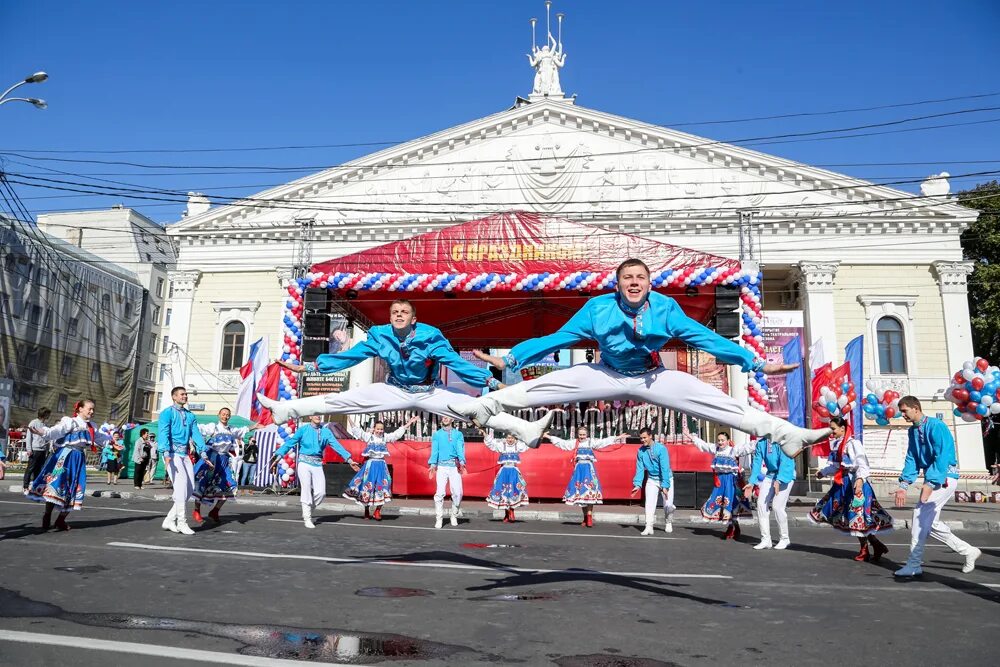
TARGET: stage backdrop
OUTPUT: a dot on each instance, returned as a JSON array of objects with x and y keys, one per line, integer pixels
[{"x": 546, "y": 469}]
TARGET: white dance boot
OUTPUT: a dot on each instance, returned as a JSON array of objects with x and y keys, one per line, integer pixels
[
  {"x": 182, "y": 525},
  {"x": 454, "y": 515},
  {"x": 527, "y": 432},
  {"x": 668, "y": 525},
  {"x": 791, "y": 438},
  {"x": 438, "y": 514},
  {"x": 282, "y": 411},
  {"x": 170, "y": 522},
  {"x": 648, "y": 530},
  {"x": 307, "y": 518},
  {"x": 970, "y": 560}
]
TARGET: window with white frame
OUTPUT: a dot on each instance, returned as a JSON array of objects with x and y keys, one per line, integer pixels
[
  {"x": 233, "y": 337},
  {"x": 891, "y": 343},
  {"x": 890, "y": 336}
]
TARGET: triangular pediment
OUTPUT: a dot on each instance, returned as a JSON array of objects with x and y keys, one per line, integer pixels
[{"x": 555, "y": 158}]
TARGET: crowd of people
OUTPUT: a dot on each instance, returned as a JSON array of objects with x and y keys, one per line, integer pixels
[{"x": 630, "y": 327}]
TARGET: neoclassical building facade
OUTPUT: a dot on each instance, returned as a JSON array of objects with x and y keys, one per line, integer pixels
[{"x": 854, "y": 257}]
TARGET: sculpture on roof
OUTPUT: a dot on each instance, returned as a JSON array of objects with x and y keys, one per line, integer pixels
[{"x": 548, "y": 59}]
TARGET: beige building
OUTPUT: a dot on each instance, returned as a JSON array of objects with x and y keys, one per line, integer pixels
[{"x": 855, "y": 257}]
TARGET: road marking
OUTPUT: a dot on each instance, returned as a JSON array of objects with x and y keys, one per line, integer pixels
[
  {"x": 90, "y": 507},
  {"x": 434, "y": 566},
  {"x": 469, "y": 529},
  {"x": 156, "y": 650}
]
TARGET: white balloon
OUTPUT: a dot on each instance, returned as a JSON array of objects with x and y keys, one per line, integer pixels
[
  {"x": 966, "y": 417},
  {"x": 842, "y": 401},
  {"x": 986, "y": 399},
  {"x": 968, "y": 374},
  {"x": 968, "y": 365},
  {"x": 823, "y": 390},
  {"x": 995, "y": 408}
]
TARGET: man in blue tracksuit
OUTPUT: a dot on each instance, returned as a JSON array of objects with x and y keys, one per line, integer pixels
[
  {"x": 446, "y": 465},
  {"x": 653, "y": 461},
  {"x": 631, "y": 326},
  {"x": 772, "y": 472},
  {"x": 414, "y": 353},
  {"x": 177, "y": 428},
  {"x": 931, "y": 448}
]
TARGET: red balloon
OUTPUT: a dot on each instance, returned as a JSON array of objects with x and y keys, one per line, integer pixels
[
  {"x": 971, "y": 406},
  {"x": 977, "y": 383},
  {"x": 851, "y": 396},
  {"x": 961, "y": 395},
  {"x": 822, "y": 412},
  {"x": 958, "y": 378},
  {"x": 983, "y": 364},
  {"x": 890, "y": 413}
]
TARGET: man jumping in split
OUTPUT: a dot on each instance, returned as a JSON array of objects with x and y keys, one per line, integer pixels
[
  {"x": 414, "y": 353},
  {"x": 630, "y": 327}
]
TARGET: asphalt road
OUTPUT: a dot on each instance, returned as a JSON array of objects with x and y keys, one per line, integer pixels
[{"x": 261, "y": 588}]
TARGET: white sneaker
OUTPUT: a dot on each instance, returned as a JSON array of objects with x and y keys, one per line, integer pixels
[
  {"x": 782, "y": 543},
  {"x": 763, "y": 544},
  {"x": 648, "y": 530},
  {"x": 668, "y": 527},
  {"x": 908, "y": 571},
  {"x": 970, "y": 560},
  {"x": 438, "y": 521},
  {"x": 183, "y": 528}
]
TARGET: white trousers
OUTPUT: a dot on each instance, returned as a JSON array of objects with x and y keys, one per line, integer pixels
[
  {"x": 381, "y": 397},
  {"x": 447, "y": 475},
  {"x": 312, "y": 484},
  {"x": 181, "y": 473},
  {"x": 773, "y": 495},
  {"x": 674, "y": 390},
  {"x": 653, "y": 493},
  {"x": 927, "y": 521}
]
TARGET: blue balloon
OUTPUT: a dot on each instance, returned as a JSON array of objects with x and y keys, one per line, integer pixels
[
  {"x": 975, "y": 396},
  {"x": 983, "y": 409},
  {"x": 832, "y": 407},
  {"x": 868, "y": 408},
  {"x": 957, "y": 412},
  {"x": 880, "y": 411},
  {"x": 844, "y": 388},
  {"x": 882, "y": 421},
  {"x": 872, "y": 398}
]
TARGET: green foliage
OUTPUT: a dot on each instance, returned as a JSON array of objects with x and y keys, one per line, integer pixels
[{"x": 981, "y": 243}]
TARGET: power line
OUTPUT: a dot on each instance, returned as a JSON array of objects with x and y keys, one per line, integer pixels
[{"x": 397, "y": 142}]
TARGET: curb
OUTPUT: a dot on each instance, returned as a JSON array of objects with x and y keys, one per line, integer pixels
[{"x": 619, "y": 518}]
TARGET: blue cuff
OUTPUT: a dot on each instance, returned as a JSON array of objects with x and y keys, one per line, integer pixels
[
  {"x": 493, "y": 384},
  {"x": 311, "y": 367},
  {"x": 509, "y": 361},
  {"x": 758, "y": 364}
]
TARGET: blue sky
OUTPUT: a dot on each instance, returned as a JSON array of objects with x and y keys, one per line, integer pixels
[{"x": 226, "y": 74}]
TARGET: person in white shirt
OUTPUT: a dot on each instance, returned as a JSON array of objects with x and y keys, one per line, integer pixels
[{"x": 36, "y": 446}]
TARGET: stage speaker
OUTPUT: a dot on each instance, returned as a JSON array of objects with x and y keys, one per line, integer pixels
[
  {"x": 338, "y": 476},
  {"x": 317, "y": 299},
  {"x": 727, "y": 325},
  {"x": 316, "y": 325},
  {"x": 684, "y": 489},
  {"x": 727, "y": 298},
  {"x": 313, "y": 347}
]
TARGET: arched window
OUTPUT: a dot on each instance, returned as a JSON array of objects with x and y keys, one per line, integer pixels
[
  {"x": 891, "y": 346},
  {"x": 233, "y": 336}
]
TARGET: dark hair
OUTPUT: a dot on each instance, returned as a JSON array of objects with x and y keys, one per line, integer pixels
[
  {"x": 725, "y": 433},
  {"x": 628, "y": 263},
  {"x": 379, "y": 422},
  {"x": 177, "y": 389},
  {"x": 404, "y": 302},
  {"x": 910, "y": 401},
  {"x": 143, "y": 431},
  {"x": 226, "y": 409},
  {"x": 44, "y": 413},
  {"x": 646, "y": 430},
  {"x": 839, "y": 421}
]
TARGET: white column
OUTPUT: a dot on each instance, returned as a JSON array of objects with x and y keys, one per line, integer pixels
[
  {"x": 183, "y": 284},
  {"x": 363, "y": 373},
  {"x": 577, "y": 357},
  {"x": 952, "y": 281},
  {"x": 816, "y": 281}
]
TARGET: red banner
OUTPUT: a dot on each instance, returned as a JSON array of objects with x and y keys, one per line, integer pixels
[
  {"x": 546, "y": 470},
  {"x": 521, "y": 243}
]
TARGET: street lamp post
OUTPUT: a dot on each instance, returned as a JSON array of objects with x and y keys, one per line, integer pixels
[{"x": 37, "y": 77}]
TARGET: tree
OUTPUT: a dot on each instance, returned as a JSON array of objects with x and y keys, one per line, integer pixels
[{"x": 981, "y": 243}]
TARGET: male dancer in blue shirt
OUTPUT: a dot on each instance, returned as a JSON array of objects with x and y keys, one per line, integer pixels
[
  {"x": 447, "y": 464},
  {"x": 931, "y": 448},
  {"x": 630, "y": 327},
  {"x": 414, "y": 353},
  {"x": 773, "y": 473},
  {"x": 653, "y": 460},
  {"x": 177, "y": 428}
]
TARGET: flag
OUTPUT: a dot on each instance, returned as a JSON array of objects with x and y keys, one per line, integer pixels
[
  {"x": 820, "y": 379},
  {"x": 267, "y": 443},
  {"x": 268, "y": 386},
  {"x": 251, "y": 372},
  {"x": 854, "y": 353},
  {"x": 795, "y": 384},
  {"x": 817, "y": 355}
]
